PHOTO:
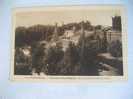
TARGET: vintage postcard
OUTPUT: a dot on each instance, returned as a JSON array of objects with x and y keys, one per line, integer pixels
[{"x": 69, "y": 43}]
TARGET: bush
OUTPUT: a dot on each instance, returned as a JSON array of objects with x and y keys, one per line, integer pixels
[{"x": 115, "y": 48}]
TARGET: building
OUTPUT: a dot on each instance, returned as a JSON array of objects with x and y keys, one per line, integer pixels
[{"x": 116, "y": 23}]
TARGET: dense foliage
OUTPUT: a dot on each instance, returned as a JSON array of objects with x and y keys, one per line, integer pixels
[{"x": 77, "y": 59}]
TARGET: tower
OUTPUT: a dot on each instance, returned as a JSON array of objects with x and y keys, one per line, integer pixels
[{"x": 116, "y": 23}]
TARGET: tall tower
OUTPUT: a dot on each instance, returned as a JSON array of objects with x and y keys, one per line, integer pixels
[{"x": 116, "y": 23}]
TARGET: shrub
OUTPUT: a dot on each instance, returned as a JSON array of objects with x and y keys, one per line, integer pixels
[{"x": 115, "y": 48}]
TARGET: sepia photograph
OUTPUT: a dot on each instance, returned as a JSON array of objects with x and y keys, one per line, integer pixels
[{"x": 68, "y": 41}]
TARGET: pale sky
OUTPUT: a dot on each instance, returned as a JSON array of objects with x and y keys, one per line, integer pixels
[{"x": 96, "y": 17}]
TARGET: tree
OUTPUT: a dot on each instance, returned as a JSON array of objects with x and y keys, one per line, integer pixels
[
  {"x": 53, "y": 57},
  {"x": 70, "y": 61},
  {"x": 87, "y": 47},
  {"x": 38, "y": 57},
  {"x": 20, "y": 36}
]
